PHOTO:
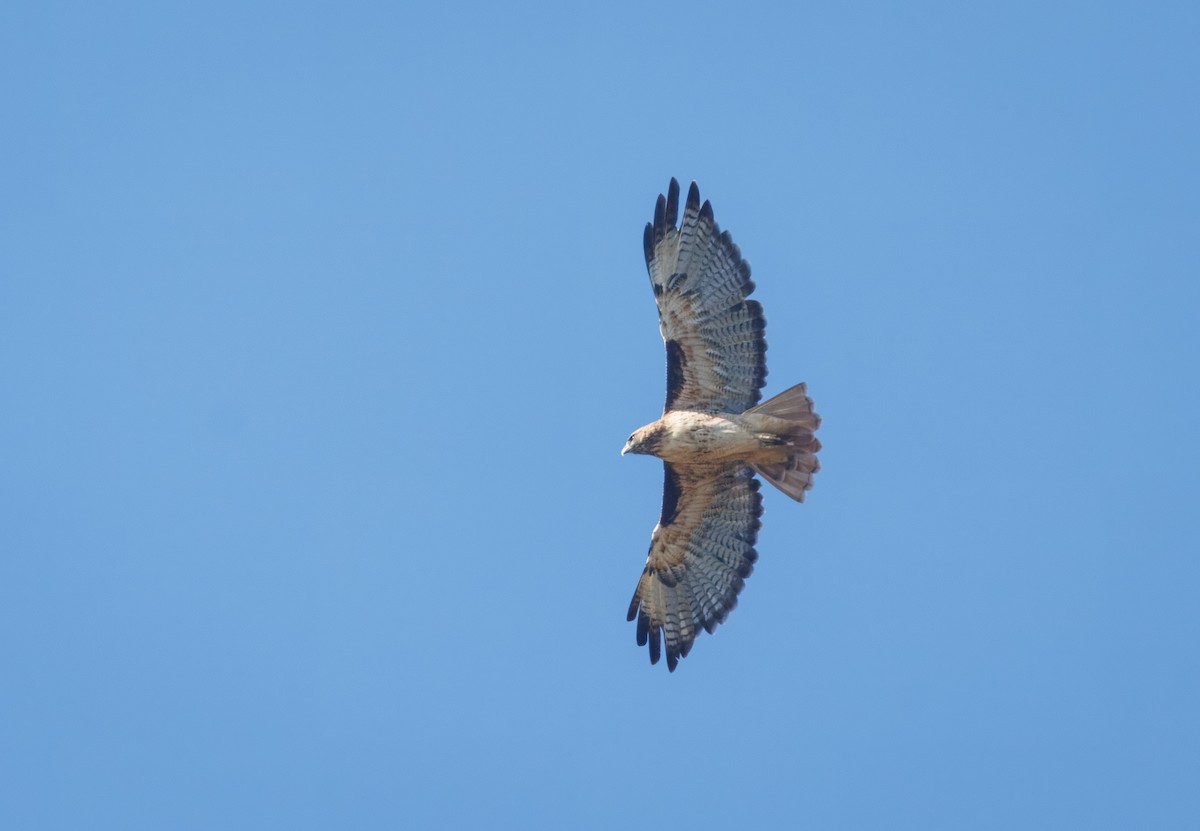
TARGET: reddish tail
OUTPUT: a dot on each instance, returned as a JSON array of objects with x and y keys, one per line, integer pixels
[{"x": 794, "y": 476}]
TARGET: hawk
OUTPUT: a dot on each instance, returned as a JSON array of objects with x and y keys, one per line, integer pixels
[{"x": 713, "y": 435}]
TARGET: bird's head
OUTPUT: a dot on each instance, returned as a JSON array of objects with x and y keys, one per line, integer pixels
[{"x": 644, "y": 441}]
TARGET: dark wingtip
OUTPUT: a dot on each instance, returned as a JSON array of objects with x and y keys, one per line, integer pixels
[
  {"x": 660, "y": 214},
  {"x": 672, "y": 215},
  {"x": 648, "y": 243},
  {"x": 693, "y": 198},
  {"x": 758, "y": 319},
  {"x": 672, "y": 660},
  {"x": 744, "y": 273},
  {"x": 706, "y": 211}
]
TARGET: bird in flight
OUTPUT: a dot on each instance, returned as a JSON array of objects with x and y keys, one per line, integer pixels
[{"x": 713, "y": 435}]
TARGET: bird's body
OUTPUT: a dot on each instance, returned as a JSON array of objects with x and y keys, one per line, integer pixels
[
  {"x": 687, "y": 437},
  {"x": 713, "y": 435}
]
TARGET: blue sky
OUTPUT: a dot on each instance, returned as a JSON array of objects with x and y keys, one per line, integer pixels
[{"x": 322, "y": 326}]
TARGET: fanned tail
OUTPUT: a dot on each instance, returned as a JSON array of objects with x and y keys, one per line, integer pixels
[{"x": 795, "y": 475}]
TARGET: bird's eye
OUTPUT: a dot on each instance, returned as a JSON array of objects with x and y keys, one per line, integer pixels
[{"x": 631, "y": 437}]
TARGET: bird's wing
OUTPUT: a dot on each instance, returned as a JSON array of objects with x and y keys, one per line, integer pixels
[
  {"x": 716, "y": 358},
  {"x": 701, "y": 552}
]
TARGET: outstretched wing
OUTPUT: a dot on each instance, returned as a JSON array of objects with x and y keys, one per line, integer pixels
[
  {"x": 701, "y": 552},
  {"x": 716, "y": 358}
]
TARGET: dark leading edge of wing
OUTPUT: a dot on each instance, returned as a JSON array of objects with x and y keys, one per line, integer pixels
[
  {"x": 670, "y": 503},
  {"x": 676, "y": 368}
]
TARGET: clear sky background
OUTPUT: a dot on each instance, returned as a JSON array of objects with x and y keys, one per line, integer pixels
[{"x": 322, "y": 326}]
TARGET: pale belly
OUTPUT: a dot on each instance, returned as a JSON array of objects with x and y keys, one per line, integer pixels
[{"x": 698, "y": 438}]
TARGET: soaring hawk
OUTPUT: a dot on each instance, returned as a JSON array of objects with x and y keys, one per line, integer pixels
[{"x": 713, "y": 435}]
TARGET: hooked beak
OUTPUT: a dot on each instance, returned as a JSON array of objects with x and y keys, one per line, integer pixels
[{"x": 628, "y": 448}]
